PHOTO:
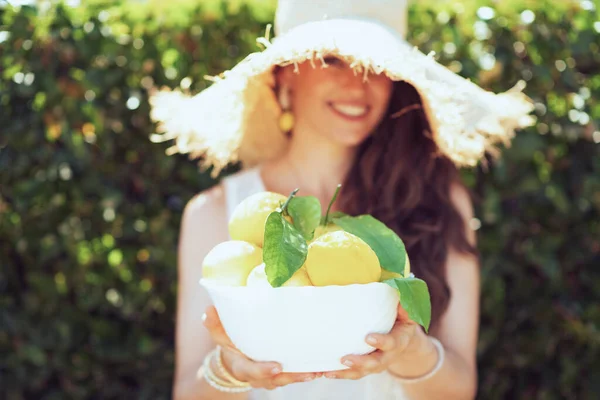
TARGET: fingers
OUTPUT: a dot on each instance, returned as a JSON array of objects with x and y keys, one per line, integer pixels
[
  {"x": 382, "y": 342},
  {"x": 266, "y": 374},
  {"x": 387, "y": 348},
  {"x": 398, "y": 338},
  {"x": 345, "y": 374},
  {"x": 360, "y": 366},
  {"x": 259, "y": 374},
  {"x": 247, "y": 370},
  {"x": 283, "y": 380},
  {"x": 289, "y": 378},
  {"x": 403, "y": 334}
]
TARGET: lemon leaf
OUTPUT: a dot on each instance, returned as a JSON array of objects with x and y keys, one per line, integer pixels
[
  {"x": 284, "y": 250},
  {"x": 414, "y": 298},
  {"x": 385, "y": 243},
  {"x": 306, "y": 214},
  {"x": 333, "y": 216}
]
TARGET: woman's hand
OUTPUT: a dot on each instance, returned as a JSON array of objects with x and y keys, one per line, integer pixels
[
  {"x": 405, "y": 342},
  {"x": 258, "y": 374}
]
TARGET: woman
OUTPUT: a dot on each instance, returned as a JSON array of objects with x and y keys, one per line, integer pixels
[{"x": 342, "y": 100}]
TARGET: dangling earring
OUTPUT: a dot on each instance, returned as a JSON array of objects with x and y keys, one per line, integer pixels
[{"x": 286, "y": 119}]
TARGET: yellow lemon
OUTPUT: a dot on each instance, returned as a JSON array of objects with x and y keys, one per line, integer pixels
[
  {"x": 321, "y": 230},
  {"x": 341, "y": 258},
  {"x": 230, "y": 263},
  {"x": 258, "y": 278},
  {"x": 389, "y": 275},
  {"x": 247, "y": 222}
]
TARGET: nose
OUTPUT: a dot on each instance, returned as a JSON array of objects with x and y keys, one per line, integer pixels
[{"x": 353, "y": 82}]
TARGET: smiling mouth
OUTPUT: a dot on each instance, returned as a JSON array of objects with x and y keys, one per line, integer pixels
[{"x": 349, "y": 110}]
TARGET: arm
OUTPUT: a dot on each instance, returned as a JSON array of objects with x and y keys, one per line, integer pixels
[
  {"x": 457, "y": 331},
  {"x": 408, "y": 352},
  {"x": 204, "y": 225}
]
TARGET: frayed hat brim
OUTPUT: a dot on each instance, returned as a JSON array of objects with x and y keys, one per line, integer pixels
[{"x": 235, "y": 119}]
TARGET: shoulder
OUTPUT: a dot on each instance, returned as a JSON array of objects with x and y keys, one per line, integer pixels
[
  {"x": 205, "y": 217},
  {"x": 462, "y": 200},
  {"x": 205, "y": 203}
]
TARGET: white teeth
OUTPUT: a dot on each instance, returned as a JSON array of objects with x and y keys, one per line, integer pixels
[{"x": 351, "y": 111}]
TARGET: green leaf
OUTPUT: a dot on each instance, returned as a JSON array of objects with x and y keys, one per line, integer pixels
[
  {"x": 334, "y": 215},
  {"x": 306, "y": 213},
  {"x": 34, "y": 354},
  {"x": 384, "y": 241},
  {"x": 414, "y": 298},
  {"x": 284, "y": 250}
]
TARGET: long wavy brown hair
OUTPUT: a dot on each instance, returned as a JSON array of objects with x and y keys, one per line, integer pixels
[{"x": 400, "y": 178}]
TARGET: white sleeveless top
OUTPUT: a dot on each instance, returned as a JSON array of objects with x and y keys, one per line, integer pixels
[{"x": 381, "y": 386}]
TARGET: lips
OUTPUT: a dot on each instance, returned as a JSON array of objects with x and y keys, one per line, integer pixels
[{"x": 352, "y": 111}]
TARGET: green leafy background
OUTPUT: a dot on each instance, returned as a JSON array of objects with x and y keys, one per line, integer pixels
[{"x": 90, "y": 209}]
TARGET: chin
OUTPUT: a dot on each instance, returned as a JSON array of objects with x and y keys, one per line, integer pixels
[{"x": 351, "y": 139}]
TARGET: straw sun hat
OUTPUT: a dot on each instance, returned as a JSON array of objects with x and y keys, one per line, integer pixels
[{"x": 237, "y": 117}]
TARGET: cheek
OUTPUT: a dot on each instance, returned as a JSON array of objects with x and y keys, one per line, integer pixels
[
  {"x": 310, "y": 93},
  {"x": 306, "y": 100}
]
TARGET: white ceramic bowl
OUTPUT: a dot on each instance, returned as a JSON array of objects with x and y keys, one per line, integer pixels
[{"x": 306, "y": 329}]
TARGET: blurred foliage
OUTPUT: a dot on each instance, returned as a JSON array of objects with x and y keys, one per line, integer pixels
[{"x": 90, "y": 209}]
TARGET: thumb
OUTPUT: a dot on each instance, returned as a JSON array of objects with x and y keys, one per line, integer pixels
[{"x": 403, "y": 334}]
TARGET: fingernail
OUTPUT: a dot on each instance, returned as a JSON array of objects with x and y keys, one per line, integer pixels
[
  {"x": 203, "y": 317},
  {"x": 276, "y": 370},
  {"x": 308, "y": 378},
  {"x": 371, "y": 340},
  {"x": 348, "y": 363},
  {"x": 330, "y": 375}
]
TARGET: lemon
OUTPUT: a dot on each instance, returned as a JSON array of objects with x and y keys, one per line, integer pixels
[
  {"x": 341, "y": 258},
  {"x": 389, "y": 275},
  {"x": 230, "y": 263},
  {"x": 321, "y": 230},
  {"x": 247, "y": 222},
  {"x": 258, "y": 278}
]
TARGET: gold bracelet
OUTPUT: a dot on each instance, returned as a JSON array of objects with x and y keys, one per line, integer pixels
[{"x": 224, "y": 372}]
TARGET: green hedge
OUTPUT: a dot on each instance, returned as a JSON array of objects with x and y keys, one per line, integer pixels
[{"x": 90, "y": 209}]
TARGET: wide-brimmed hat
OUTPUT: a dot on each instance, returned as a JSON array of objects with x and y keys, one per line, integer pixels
[{"x": 236, "y": 117}]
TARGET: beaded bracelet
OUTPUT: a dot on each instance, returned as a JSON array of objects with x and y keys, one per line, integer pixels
[
  {"x": 441, "y": 355},
  {"x": 225, "y": 373},
  {"x": 210, "y": 374},
  {"x": 217, "y": 383}
]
